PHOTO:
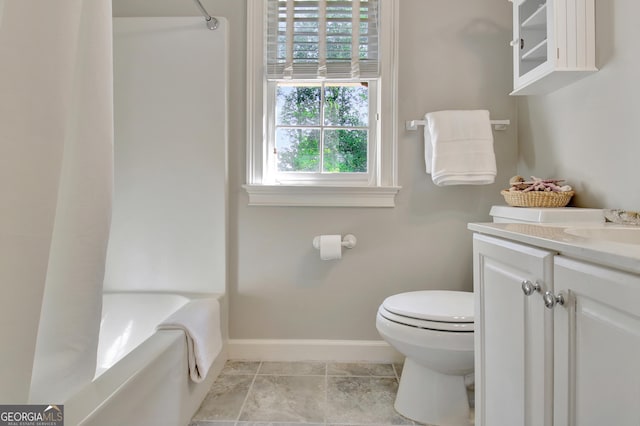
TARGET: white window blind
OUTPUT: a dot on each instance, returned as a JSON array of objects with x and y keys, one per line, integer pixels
[{"x": 322, "y": 39}]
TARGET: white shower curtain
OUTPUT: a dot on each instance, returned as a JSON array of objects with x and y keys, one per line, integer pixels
[{"x": 56, "y": 162}]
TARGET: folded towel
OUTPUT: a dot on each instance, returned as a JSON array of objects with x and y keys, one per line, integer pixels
[
  {"x": 200, "y": 320},
  {"x": 459, "y": 148}
]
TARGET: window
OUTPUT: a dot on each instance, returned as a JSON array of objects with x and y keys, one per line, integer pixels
[
  {"x": 321, "y": 132},
  {"x": 318, "y": 132}
]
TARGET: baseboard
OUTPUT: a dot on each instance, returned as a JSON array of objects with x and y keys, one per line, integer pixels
[{"x": 313, "y": 350}]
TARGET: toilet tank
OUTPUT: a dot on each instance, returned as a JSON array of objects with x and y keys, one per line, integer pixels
[{"x": 507, "y": 214}]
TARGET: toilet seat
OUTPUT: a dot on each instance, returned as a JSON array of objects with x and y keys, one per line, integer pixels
[
  {"x": 427, "y": 325},
  {"x": 431, "y": 309}
]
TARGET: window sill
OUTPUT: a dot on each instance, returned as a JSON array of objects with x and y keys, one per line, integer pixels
[{"x": 321, "y": 196}]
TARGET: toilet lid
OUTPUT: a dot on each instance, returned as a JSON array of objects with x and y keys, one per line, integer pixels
[{"x": 432, "y": 305}]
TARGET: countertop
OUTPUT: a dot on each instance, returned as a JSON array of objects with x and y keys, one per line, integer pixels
[{"x": 624, "y": 256}]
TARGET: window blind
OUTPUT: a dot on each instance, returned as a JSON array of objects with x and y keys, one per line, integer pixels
[{"x": 322, "y": 39}]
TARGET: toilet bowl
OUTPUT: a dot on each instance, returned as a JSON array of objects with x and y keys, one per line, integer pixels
[{"x": 434, "y": 331}]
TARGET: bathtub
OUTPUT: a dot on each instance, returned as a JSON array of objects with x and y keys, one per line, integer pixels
[{"x": 141, "y": 374}]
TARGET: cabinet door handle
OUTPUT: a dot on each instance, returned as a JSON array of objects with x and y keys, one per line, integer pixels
[
  {"x": 550, "y": 299},
  {"x": 528, "y": 287},
  {"x": 517, "y": 42}
]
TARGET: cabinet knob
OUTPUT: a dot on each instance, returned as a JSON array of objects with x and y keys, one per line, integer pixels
[
  {"x": 517, "y": 42},
  {"x": 528, "y": 287},
  {"x": 550, "y": 299}
]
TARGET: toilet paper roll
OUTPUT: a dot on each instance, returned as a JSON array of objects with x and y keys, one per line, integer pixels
[{"x": 330, "y": 247}]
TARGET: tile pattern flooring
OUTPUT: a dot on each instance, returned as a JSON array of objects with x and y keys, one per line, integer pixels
[{"x": 302, "y": 393}]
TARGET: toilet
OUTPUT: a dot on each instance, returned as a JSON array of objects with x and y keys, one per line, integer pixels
[{"x": 433, "y": 329}]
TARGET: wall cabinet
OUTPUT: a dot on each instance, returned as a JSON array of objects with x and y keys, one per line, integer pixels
[
  {"x": 513, "y": 343},
  {"x": 565, "y": 355},
  {"x": 553, "y": 44}
]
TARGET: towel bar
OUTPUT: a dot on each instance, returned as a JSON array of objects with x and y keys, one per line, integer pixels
[{"x": 497, "y": 124}]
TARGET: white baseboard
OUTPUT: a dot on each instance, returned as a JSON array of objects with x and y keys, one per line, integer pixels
[{"x": 313, "y": 350}]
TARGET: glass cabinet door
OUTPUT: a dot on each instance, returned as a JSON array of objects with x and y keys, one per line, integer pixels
[{"x": 532, "y": 43}]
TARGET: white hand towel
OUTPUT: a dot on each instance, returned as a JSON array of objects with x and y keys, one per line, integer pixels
[
  {"x": 200, "y": 320},
  {"x": 459, "y": 148}
]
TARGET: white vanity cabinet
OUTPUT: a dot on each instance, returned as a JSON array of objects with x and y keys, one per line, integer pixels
[
  {"x": 569, "y": 353},
  {"x": 596, "y": 345},
  {"x": 553, "y": 44},
  {"x": 513, "y": 338}
]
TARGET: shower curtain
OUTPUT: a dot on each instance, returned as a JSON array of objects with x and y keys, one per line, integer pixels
[{"x": 56, "y": 162}]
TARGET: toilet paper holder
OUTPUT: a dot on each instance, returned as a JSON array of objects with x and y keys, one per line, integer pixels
[{"x": 348, "y": 241}]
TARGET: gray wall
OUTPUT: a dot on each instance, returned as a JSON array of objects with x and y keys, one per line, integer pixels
[
  {"x": 454, "y": 54},
  {"x": 589, "y": 132}
]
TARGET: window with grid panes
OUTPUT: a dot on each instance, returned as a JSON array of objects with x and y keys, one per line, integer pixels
[{"x": 321, "y": 114}]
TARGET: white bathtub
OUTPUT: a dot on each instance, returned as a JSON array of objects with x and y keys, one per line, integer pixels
[{"x": 141, "y": 374}]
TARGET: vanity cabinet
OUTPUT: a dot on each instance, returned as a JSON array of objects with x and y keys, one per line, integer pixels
[
  {"x": 557, "y": 340},
  {"x": 596, "y": 345},
  {"x": 513, "y": 336},
  {"x": 553, "y": 44}
]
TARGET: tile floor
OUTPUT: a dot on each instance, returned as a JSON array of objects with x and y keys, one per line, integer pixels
[{"x": 302, "y": 393}]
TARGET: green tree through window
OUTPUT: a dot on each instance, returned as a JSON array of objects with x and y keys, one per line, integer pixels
[{"x": 322, "y": 127}]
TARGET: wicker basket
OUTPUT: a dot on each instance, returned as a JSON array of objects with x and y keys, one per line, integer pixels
[{"x": 537, "y": 198}]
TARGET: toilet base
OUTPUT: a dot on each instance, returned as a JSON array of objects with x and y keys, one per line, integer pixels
[{"x": 427, "y": 396}]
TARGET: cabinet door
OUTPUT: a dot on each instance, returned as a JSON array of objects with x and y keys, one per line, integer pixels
[
  {"x": 597, "y": 346},
  {"x": 513, "y": 343},
  {"x": 533, "y": 39}
]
